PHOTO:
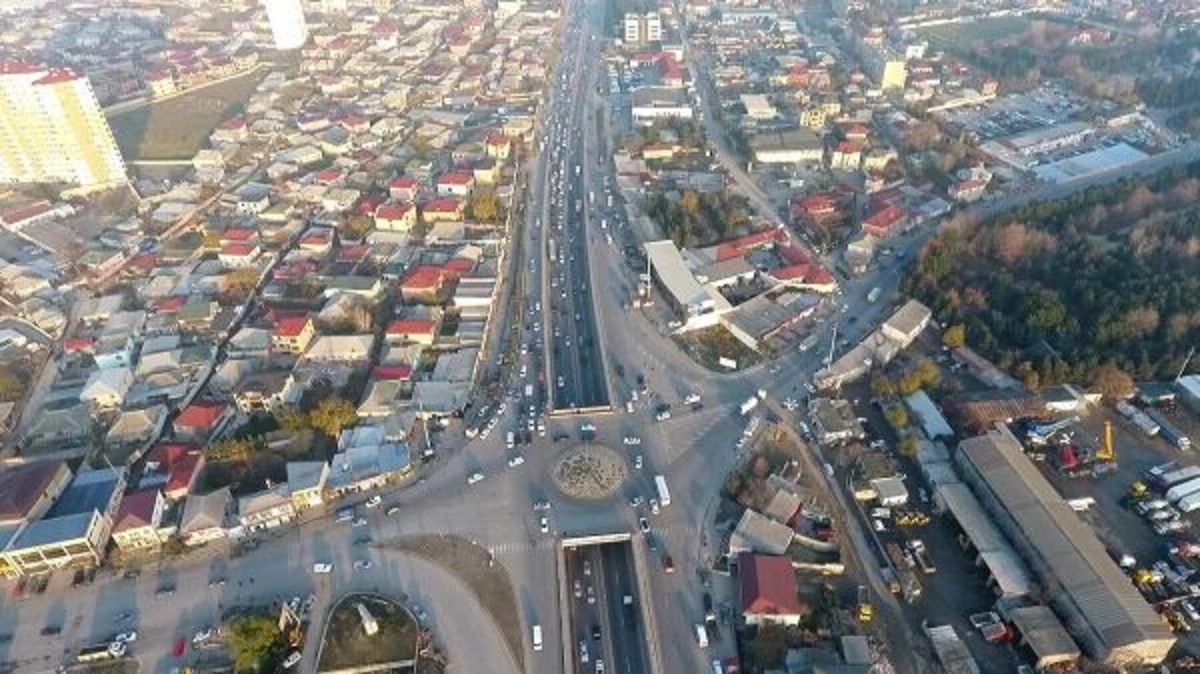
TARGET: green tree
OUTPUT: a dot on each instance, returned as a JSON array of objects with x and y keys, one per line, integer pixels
[
  {"x": 955, "y": 336},
  {"x": 293, "y": 421},
  {"x": 241, "y": 282},
  {"x": 332, "y": 415},
  {"x": 253, "y": 641},
  {"x": 907, "y": 446},
  {"x": 357, "y": 228},
  {"x": 897, "y": 416},
  {"x": 689, "y": 203},
  {"x": 882, "y": 386},
  {"x": 769, "y": 646}
]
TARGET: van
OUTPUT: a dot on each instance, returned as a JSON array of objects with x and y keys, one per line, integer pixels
[
  {"x": 510, "y": 440},
  {"x": 537, "y": 637},
  {"x": 701, "y": 636},
  {"x": 717, "y": 668}
]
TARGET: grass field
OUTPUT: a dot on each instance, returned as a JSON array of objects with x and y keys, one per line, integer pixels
[
  {"x": 177, "y": 127},
  {"x": 347, "y": 644},
  {"x": 960, "y": 37}
]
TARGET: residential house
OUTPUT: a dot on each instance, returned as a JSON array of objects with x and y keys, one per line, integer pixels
[
  {"x": 306, "y": 483},
  {"x": 28, "y": 490},
  {"x": 767, "y": 590},
  {"x": 455, "y": 184},
  {"x": 205, "y": 517},
  {"x": 403, "y": 188},
  {"x": 418, "y": 331},
  {"x": 846, "y": 156},
  {"x": 266, "y": 509},
  {"x": 885, "y": 221},
  {"x": 267, "y": 391},
  {"x": 365, "y": 467},
  {"x": 293, "y": 334},
  {"x": 202, "y": 420},
  {"x": 444, "y": 209},
  {"x": 396, "y": 217},
  {"x": 340, "y": 349},
  {"x": 424, "y": 285},
  {"x": 172, "y": 468},
  {"x": 239, "y": 255},
  {"x": 134, "y": 427},
  {"x": 136, "y": 527},
  {"x": 60, "y": 429},
  {"x": 106, "y": 389}
]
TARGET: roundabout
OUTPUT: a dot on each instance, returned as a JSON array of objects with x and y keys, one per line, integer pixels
[{"x": 589, "y": 472}]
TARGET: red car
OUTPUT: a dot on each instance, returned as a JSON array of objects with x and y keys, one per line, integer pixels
[{"x": 179, "y": 648}]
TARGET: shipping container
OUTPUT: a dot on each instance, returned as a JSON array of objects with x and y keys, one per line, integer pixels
[{"x": 1175, "y": 477}]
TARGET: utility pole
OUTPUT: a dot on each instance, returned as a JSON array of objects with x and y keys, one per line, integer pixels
[{"x": 1183, "y": 368}]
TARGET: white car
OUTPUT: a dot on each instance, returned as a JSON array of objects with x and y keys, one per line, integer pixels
[
  {"x": 654, "y": 506},
  {"x": 117, "y": 649},
  {"x": 637, "y": 462},
  {"x": 591, "y": 594},
  {"x": 362, "y": 564},
  {"x": 322, "y": 567},
  {"x": 632, "y": 440},
  {"x": 291, "y": 660},
  {"x": 516, "y": 461},
  {"x": 691, "y": 399},
  {"x": 374, "y": 501},
  {"x": 663, "y": 415},
  {"x": 126, "y": 637},
  {"x": 202, "y": 635},
  {"x": 545, "y": 525},
  {"x": 588, "y": 427},
  {"x": 474, "y": 477},
  {"x": 541, "y": 428},
  {"x": 359, "y": 522}
]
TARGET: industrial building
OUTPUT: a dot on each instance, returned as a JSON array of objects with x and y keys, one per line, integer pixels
[
  {"x": 652, "y": 103},
  {"x": 1100, "y": 608},
  {"x": 878, "y": 348},
  {"x": 695, "y": 306}
]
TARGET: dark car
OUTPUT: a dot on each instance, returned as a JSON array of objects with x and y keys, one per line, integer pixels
[
  {"x": 50, "y": 630},
  {"x": 596, "y": 632}
]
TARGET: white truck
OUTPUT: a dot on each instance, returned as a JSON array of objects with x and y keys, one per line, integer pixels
[
  {"x": 1179, "y": 491},
  {"x": 752, "y": 402},
  {"x": 664, "y": 494}
]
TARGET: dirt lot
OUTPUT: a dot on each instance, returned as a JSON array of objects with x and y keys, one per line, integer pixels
[
  {"x": 347, "y": 645},
  {"x": 490, "y": 584},
  {"x": 177, "y": 127}
]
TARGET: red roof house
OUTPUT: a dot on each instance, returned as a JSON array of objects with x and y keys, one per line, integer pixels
[
  {"x": 174, "y": 467},
  {"x": 767, "y": 589},
  {"x": 420, "y": 331},
  {"x": 884, "y": 221},
  {"x": 201, "y": 420}
]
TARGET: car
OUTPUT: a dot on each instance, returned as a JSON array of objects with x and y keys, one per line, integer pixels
[
  {"x": 50, "y": 630},
  {"x": 322, "y": 567},
  {"x": 359, "y": 522},
  {"x": 591, "y": 594},
  {"x": 202, "y": 635},
  {"x": 541, "y": 429},
  {"x": 125, "y": 616},
  {"x": 474, "y": 477},
  {"x": 663, "y": 415},
  {"x": 1190, "y": 609},
  {"x": 165, "y": 591},
  {"x": 654, "y": 506},
  {"x": 541, "y": 505},
  {"x": 578, "y": 589},
  {"x": 668, "y": 563},
  {"x": 392, "y": 510},
  {"x": 126, "y": 637},
  {"x": 691, "y": 399},
  {"x": 587, "y": 568},
  {"x": 362, "y": 564},
  {"x": 179, "y": 647},
  {"x": 117, "y": 649},
  {"x": 644, "y": 525},
  {"x": 374, "y": 501},
  {"x": 637, "y": 462},
  {"x": 516, "y": 461},
  {"x": 583, "y": 652},
  {"x": 631, "y": 440},
  {"x": 599, "y": 667},
  {"x": 291, "y": 660},
  {"x": 561, "y": 381},
  {"x": 545, "y": 525},
  {"x": 595, "y": 633}
]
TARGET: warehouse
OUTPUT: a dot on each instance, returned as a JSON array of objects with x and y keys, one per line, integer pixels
[
  {"x": 1102, "y": 609},
  {"x": 695, "y": 306}
]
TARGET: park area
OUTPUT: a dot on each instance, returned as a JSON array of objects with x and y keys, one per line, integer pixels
[
  {"x": 968, "y": 36},
  {"x": 392, "y": 648},
  {"x": 177, "y": 127}
]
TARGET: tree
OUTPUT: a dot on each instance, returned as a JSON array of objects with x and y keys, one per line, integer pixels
[
  {"x": 233, "y": 449},
  {"x": 12, "y": 387},
  {"x": 332, "y": 415},
  {"x": 769, "y": 646},
  {"x": 689, "y": 203},
  {"x": 955, "y": 336},
  {"x": 357, "y": 228},
  {"x": 1112, "y": 382},
  {"x": 882, "y": 386},
  {"x": 485, "y": 207},
  {"x": 241, "y": 282},
  {"x": 252, "y": 640},
  {"x": 907, "y": 447},
  {"x": 293, "y": 421},
  {"x": 897, "y": 416}
]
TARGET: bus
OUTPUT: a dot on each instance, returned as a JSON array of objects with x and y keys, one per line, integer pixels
[
  {"x": 664, "y": 495},
  {"x": 553, "y": 251}
]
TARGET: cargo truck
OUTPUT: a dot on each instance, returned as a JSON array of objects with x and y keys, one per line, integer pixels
[
  {"x": 664, "y": 495},
  {"x": 910, "y": 587},
  {"x": 1174, "y": 494},
  {"x": 1189, "y": 503},
  {"x": 1170, "y": 432},
  {"x": 752, "y": 402},
  {"x": 1172, "y": 476},
  {"x": 922, "y": 555}
]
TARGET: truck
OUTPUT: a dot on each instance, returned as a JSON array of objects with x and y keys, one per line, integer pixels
[
  {"x": 922, "y": 556},
  {"x": 865, "y": 610},
  {"x": 1138, "y": 418},
  {"x": 1174, "y": 494},
  {"x": 1173, "y": 476},
  {"x": 664, "y": 495},
  {"x": 910, "y": 587},
  {"x": 874, "y": 294},
  {"x": 99, "y": 652},
  {"x": 752, "y": 402},
  {"x": 1189, "y": 503},
  {"x": 1170, "y": 432}
]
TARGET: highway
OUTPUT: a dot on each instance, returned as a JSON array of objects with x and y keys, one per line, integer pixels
[{"x": 604, "y": 628}]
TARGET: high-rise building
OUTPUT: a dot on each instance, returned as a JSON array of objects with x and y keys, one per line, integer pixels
[
  {"x": 52, "y": 129},
  {"x": 642, "y": 28},
  {"x": 287, "y": 23}
]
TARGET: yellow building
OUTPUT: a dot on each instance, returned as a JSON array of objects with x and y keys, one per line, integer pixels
[
  {"x": 52, "y": 130},
  {"x": 813, "y": 118},
  {"x": 894, "y": 74}
]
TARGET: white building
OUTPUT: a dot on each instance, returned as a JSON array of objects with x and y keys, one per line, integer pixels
[
  {"x": 640, "y": 29},
  {"x": 52, "y": 130},
  {"x": 287, "y": 23}
]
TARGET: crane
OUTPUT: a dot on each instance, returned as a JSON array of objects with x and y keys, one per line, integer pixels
[{"x": 1106, "y": 455}]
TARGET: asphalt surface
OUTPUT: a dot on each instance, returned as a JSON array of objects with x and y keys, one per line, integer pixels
[{"x": 600, "y": 577}]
